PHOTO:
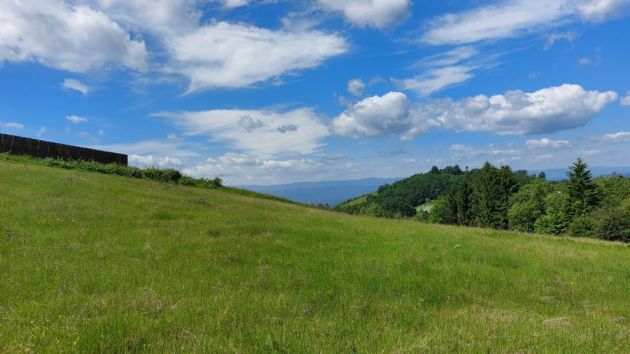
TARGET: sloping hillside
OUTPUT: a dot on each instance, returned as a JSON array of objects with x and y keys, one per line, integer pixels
[{"x": 92, "y": 262}]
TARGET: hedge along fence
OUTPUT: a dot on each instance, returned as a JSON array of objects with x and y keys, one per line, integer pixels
[{"x": 39, "y": 148}]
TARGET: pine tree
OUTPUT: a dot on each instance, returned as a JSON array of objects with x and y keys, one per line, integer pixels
[
  {"x": 493, "y": 189},
  {"x": 583, "y": 192},
  {"x": 465, "y": 204},
  {"x": 484, "y": 195}
]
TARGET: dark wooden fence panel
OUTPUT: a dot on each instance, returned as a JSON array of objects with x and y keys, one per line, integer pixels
[{"x": 39, "y": 148}]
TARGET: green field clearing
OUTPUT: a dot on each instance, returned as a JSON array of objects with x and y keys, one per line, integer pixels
[{"x": 100, "y": 263}]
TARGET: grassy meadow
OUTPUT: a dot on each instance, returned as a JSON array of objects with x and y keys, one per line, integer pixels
[{"x": 100, "y": 263}]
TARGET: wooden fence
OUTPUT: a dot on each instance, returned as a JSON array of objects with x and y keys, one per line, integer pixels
[{"x": 39, "y": 148}]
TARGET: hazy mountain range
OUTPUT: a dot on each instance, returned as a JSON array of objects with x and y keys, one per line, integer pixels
[{"x": 326, "y": 192}]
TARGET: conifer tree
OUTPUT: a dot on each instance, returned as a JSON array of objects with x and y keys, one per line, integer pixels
[
  {"x": 583, "y": 192},
  {"x": 493, "y": 189}
]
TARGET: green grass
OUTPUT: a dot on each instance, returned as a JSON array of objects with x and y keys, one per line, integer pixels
[
  {"x": 100, "y": 263},
  {"x": 355, "y": 201}
]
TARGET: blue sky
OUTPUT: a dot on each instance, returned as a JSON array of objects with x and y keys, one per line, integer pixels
[{"x": 277, "y": 91}]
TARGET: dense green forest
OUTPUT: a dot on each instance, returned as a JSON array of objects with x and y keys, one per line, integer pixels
[{"x": 500, "y": 198}]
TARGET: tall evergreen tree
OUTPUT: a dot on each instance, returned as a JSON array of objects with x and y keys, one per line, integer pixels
[
  {"x": 485, "y": 182},
  {"x": 492, "y": 190},
  {"x": 464, "y": 200},
  {"x": 583, "y": 192}
]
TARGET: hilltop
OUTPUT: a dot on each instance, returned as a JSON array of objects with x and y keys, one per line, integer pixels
[{"x": 101, "y": 263}]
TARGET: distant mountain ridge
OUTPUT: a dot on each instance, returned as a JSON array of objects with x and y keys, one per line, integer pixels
[{"x": 325, "y": 192}]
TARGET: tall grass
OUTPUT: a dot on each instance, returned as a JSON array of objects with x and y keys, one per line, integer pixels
[{"x": 91, "y": 262}]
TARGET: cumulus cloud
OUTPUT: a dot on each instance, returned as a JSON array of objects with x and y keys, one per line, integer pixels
[
  {"x": 626, "y": 100},
  {"x": 74, "y": 38},
  {"x": 546, "y": 143},
  {"x": 511, "y": 18},
  {"x": 389, "y": 114},
  {"x": 619, "y": 137},
  {"x": 236, "y": 55},
  {"x": 515, "y": 113},
  {"x": 77, "y": 119},
  {"x": 257, "y": 132},
  {"x": 369, "y": 13},
  {"x": 83, "y": 35},
  {"x": 76, "y": 85}
]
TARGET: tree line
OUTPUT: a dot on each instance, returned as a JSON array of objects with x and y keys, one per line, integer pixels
[{"x": 500, "y": 198}]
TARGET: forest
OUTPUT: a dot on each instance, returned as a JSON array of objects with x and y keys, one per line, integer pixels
[{"x": 500, "y": 198}]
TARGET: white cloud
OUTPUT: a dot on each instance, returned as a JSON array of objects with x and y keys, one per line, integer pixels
[
  {"x": 72, "y": 38},
  {"x": 234, "y": 55},
  {"x": 599, "y": 10},
  {"x": 445, "y": 70},
  {"x": 585, "y": 61},
  {"x": 461, "y": 148},
  {"x": 619, "y": 137},
  {"x": 436, "y": 79},
  {"x": 171, "y": 152},
  {"x": 83, "y": 35},
  {"x": 476, "y": 156},
  {"x": 375, "y": 116},
  {"x": 516, "y": 112},
  {"x": 546, "y": 143},
  {"x": 257, "y": 132},
  {"x": 626, "y": 100},
  {"x": 73, "y": 84},
  {"x": 150, "y": 160},
  {"x": 511, "y": 18},
  {"x": 356, "y": 87},
  {"x": 13, "y": 126},
  {"x": 513, "y": 113},
  {"x": 238, "y": 168},
  {"x": 555, "y": 37},
  {"x": 77, "y": 119},
  {"x": 230, "y": 4},
  {"x": 370, "y": 13},
  {"x": 165, "y": 17}
]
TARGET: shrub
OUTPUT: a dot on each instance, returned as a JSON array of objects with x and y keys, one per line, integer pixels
[
  {"x": 556, "y": 220},
  {"x": 440, "y": 213},
  {"x": 528, "y": 204},
  {"x": 188, "y": 181},
  {"x": 213, "y": 183},
  {"x": 162, "y": 175},
  {"x": 523, "y": 216},
  {"x": 615, "y": 224},
  {"x": 584, "y": 226}
]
